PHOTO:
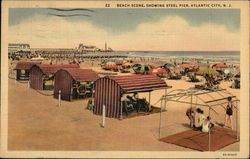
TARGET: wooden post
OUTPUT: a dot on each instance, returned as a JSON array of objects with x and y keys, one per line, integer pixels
[
  {"x": 59, "y": 98},
  {"x": 28, "y": 83},
  {"x": 103, "y": 116}
]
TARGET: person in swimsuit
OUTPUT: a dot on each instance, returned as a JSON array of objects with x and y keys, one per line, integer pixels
[
  {"x": 207, "y": 125},
  {"x": 190, "y": 113},
  {"x": 229, "y": 112},
  {"x": 201, "y": 119}
]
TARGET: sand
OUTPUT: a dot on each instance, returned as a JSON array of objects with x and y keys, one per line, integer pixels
[{"x": 36, "y": 122}]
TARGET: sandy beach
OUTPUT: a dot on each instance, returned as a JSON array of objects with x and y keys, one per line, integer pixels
[{"x": 36, "y": 122}]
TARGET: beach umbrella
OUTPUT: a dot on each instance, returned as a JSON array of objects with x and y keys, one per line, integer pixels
[
  {"x": 168, "y": 65},
  {"x": 146, "y": 67},
  {"x": 188, "y": 65},
  {"x": 209, "y": 71},
  {"x": 136, "y": 65},
  {"x": 142, "y": 69},
  {"x": 158, "y": 71},
  {"x": 231, "y": 71},
  {"x": 110, "y": 66},
  {"x": 127, "y": 64},
  {"x": 220, "y": 65}
]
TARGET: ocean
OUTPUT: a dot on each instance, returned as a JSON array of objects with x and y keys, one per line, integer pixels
[{"x": 202, "y": 56}]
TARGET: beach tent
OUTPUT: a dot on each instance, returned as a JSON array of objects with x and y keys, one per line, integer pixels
[
  {"x": 109, "y": 90},
  {"x": 219, "y": 65},
  {"x": 41, "y": 73},
  {"x": 209, "y": 98},
  {"x": 143, "y": 69},
  {"x": 23, "y": 69},
  {"x": 157, "y": 71},
  {"x": 209, "y": 71},
  {"x": 73, "y": 82}
]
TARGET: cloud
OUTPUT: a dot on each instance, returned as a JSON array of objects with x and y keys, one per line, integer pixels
[{"x": 169, "y": 33}]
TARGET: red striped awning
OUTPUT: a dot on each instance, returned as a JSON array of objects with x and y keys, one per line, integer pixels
[
  {"x": 79, "y": 74},
  {"x": 138, "y": 83},
  {"x": 26, "y": 65}
]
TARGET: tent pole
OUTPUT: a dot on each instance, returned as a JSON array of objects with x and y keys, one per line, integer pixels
[
  {"x": 209, "y": 134},
  {"x": 165, "y": 101},
  {"x": 160, "y": 121}
]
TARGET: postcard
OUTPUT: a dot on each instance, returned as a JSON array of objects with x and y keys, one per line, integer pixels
[{"x": 125, "y": 79}]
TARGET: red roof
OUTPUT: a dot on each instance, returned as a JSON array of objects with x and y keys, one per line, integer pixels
[
  {"x": 51, "y": 69},
  {"x": 26, "y": 65},
  {"x": 79, "y": 74},
  {"x": 137, "y": 83}
]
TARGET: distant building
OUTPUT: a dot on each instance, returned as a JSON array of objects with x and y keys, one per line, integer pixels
[
  {"x": 107, "y": 49},
  {"x": 18, "y": 47},
  {"x": 87, "y": 48}
]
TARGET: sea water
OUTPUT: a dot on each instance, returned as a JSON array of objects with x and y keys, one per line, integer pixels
[{"x": 201, "y": 56}]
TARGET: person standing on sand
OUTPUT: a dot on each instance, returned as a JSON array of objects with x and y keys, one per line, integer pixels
[
  {"x": 229, "y": 112},
  {"x": 190, "y": 113}
]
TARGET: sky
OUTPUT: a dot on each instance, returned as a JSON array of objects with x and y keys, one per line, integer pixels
[{"x": 127, "y": 29}]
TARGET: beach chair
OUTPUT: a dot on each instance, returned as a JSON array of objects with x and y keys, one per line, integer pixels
[
  {"x": 143, "y": 105},
  {"x": 81, "y": 91},
  {"x": 127, "y": 107}
]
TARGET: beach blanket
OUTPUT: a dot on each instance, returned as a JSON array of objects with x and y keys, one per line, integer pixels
[{"x": 197, "y": 140}]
